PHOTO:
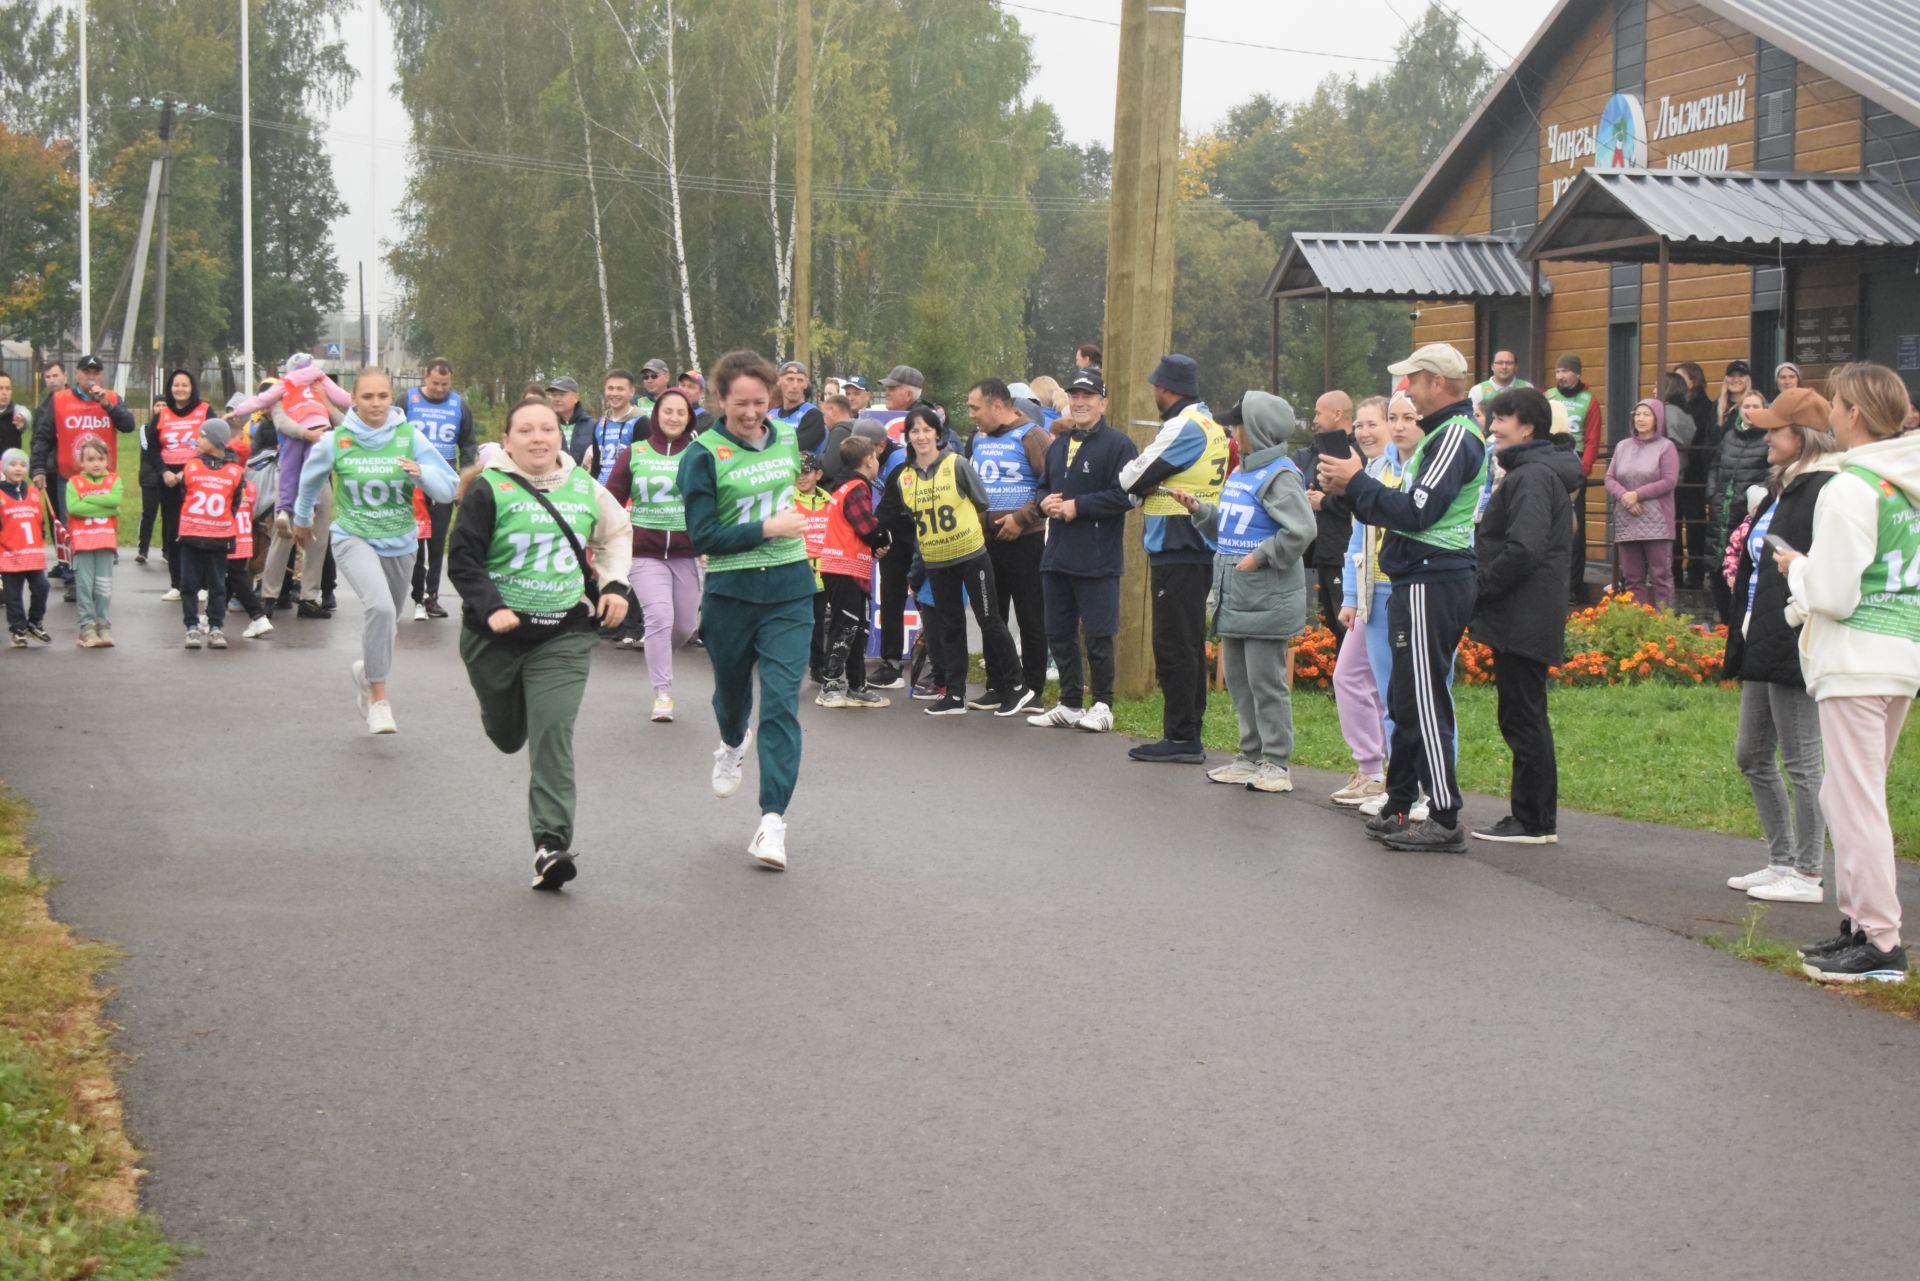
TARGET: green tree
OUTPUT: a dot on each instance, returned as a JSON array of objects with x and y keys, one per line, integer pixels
[{"x": 37, "y": 251}]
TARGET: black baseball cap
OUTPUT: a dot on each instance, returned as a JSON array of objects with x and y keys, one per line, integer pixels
[
  {"x": 89, "y": 361},
  {"x": 1738, "y": 369},
  {"x": 1087, "y": 380}
]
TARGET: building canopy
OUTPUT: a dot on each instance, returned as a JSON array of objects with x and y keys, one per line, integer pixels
[
  {"x": 1423, "y": 268},
  {"x": 1625, "y": 215}
]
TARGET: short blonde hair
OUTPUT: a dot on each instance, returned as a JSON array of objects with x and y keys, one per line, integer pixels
[{"x": 1876, "y": 392}]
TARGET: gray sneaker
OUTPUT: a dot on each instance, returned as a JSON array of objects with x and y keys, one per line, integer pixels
[
  {"x": 865, "y": 698},
  {"x": 195, "y": 638},
  {"x": 216, "y": 639}
]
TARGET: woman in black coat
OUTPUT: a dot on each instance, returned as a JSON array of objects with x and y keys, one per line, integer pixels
[
  {"x": 1778, "y": 718},
  {"x": 1525, "y": 544},
  {"x": 1699, "y": 422},
  {"x": 1739, "y": 465}
]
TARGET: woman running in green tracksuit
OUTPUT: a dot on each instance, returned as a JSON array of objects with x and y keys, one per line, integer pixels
[{"x": 737, "y": 479}]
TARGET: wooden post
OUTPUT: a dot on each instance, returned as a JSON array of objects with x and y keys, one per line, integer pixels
[
  {"x": 1326, "y": 340},
  {"x": 1273, "y": 353},
  {"x": 1661, "y": 342},
  {"x": 1139, "y": 322},
  {"x": 803, "y": 184}
]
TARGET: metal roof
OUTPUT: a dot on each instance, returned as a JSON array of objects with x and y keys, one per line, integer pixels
[
  {"x": 1870, "y": 46},
  {"x": 1376, "y": 265},
  {"x": 1623, "y": 215}
]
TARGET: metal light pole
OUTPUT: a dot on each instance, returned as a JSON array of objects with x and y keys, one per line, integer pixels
[
  {"x": 246, "y": 189},
  {"x": 86, "y": 194}
]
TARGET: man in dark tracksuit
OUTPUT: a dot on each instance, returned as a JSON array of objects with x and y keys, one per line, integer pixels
[
  {"x": 1085, "y": 507},
  {"x": 1190, "y": 454},
  {"x": 1428, "y": 552}
]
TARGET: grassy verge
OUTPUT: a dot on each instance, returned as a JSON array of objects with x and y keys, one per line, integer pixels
[
  {"x": 1752, "y": 944},
  {"x": 1657, "y": 753},
  {"x": 67, "y": 1191}
]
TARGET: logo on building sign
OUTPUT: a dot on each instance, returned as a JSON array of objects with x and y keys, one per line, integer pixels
[{"x": 1622, "y": 141}]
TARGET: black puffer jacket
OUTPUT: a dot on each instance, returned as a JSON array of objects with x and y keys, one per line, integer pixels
[
  {"x": 1525, "y": 548},
  {"x": 1740, "y": 464},
  {"x": 1770, "y": 649}
]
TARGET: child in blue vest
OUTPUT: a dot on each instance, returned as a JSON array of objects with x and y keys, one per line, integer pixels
[{"x": 1261, "y": 527}]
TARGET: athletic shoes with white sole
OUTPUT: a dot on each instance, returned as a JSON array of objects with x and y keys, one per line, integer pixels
[
  {"x": 195, "y": 638},
  {"x": 171, "y": 596},
  {"x": 864, "y": 698},
  {"x": 769, "y": 843},
  {"x": 1511, "y": 831},
  {"x": 1268, "y": 777},
  {"x": 1061, "y": 717},
  {"x": 216, "y": 639},
  {"x": 1372, "y": 806},
  {"x": 419, "y": 611},
  {"x": 362, "y": 691},
  {"x": 1860, "y": 963},
  {"x": 1098, "y": 720},
  {"x": 259, "y": 627},
  {"x": 662, "y": 708},
  {"x": 1358, "y": 790},
  {"x": 1016, "y": 702},
  {"x": 1791, "y": 888},
  {"x": 1764, "y": 876},
  {"x": 727, "y": 764},
  {"x": 1239, "y": 770},
  {"x": 380, "y": 718},
  {"x": 552, "y": 869}
]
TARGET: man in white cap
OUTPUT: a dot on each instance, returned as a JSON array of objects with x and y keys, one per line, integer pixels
[{"x": 1428, "y": 553}]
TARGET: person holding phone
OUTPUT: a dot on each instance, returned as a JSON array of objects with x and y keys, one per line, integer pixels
[
  {"x": 1779, "y": 721},
  {"x": 1332, "y": 516},
  {"x": 540, "y": 559},
  {"x": 737, "y": 481}
]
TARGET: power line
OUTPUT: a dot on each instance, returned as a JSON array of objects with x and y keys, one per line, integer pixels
[{"x": 1221, "y": 40}]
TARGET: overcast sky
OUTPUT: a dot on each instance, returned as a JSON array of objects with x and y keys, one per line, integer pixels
[{"x": 1077, "y": 42}]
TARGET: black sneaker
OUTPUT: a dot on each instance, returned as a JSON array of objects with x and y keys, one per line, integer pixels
[
  {"x": 988, "y": 702},
  {"x": 925, "y": 691},
  {"x": 1858, "y": 964},
  {"x": 433, "y": 608},
  {"x": 550, "y": 870},
  {"x": 1511, "y": 831},
  {"x": 948, "y": 705},
  {"x": 39, "y": 633},
  {"x": 1387, "y": 823},
  {"x": 1847, "y": 937},
  {"x": 18, "y": 640},
  {"x": 1016, "y": 702},
  {"x": 327, "y": 601},
  {"x": 308, "y": 609},
  {"x": 69, "y": 595},
  {"x": 140, "y": 558},
  {"x": 1170, "y": 752},
  {"x": 1428, "y": 837},
  {"x": 885, "y": 676}
]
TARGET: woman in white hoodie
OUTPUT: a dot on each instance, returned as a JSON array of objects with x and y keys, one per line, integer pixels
[{"x": 1857, "y": 590}]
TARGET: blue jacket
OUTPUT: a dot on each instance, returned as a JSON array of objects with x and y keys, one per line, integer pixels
[
  {"x": 1092, "y": 544},
  {"x": 1171, "y": 540}
]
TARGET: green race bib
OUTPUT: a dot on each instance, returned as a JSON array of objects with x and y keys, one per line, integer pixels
[
  {"x": 373, "y": 495},
  {"x": 532, "y": 562}
]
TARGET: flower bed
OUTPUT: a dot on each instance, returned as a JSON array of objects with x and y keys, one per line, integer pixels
[{"x": 1617, "y": 642}]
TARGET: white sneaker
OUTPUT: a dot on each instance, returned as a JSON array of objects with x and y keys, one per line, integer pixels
[
  {"x": 1419, "y": 812},
  {"x": 419, "y": 611},
  {"x": 1061, "y": 717},
  {"x": 380, "y": 719},
  {"x": 726, "y": 766},
  {"x": 769, "y": 844},
  {"x": 1765, "y": 876},
  {"x": 362, "y": 691},
  {"x": 203, "y": 595},
  {"x": 1372, "y": 806},
  {"x": 171, "y": 596},
  {"x": 1268, "y": 777},
  {"x": 1098, "y": 720},
  {"x": 663, "y": 707},
  {"x": 1238, "y": 770},
  {"x": 259, "y": 627},
  {"x": 1794, "y": 887}
]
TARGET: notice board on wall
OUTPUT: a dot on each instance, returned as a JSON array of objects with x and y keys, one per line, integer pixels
[{"x": 1825, "y": 335}]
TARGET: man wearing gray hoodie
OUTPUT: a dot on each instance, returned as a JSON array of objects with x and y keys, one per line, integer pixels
[{"x": 1262, "y": 526}]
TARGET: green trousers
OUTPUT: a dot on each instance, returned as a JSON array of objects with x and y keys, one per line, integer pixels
[
  {"x": 531, "y": 697},
  {"x": 777, "y": 637}
]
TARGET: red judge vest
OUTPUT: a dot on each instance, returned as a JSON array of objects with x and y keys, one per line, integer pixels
[{"x": 76, "y": 420}]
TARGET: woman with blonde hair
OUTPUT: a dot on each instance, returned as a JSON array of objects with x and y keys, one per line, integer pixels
[{"x": 1857, "y": 592}]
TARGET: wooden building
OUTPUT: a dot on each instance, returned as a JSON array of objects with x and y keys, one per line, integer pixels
[{"x": 1754, "y": 163}]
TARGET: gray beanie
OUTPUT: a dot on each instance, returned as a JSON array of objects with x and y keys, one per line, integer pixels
[
  {"x": 10, "y": 455},
  {"x": 217, "y": 431},
  {"x": 870, "y": 429}
]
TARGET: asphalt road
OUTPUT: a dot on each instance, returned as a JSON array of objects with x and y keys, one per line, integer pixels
[{"x": 1021, "y": 1009}]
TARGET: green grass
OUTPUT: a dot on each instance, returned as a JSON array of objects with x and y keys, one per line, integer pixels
[
  {"x": 67, "y": 1205},
  {"x": 1901, "y": 998},
  {"x": 1657, "y": 753}
]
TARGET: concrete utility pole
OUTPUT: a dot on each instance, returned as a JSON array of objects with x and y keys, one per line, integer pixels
[
  {"x": 1146, "y": 174},
  {"x": 803, "y": 185},
  {"x": 160, "y": 265}
]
